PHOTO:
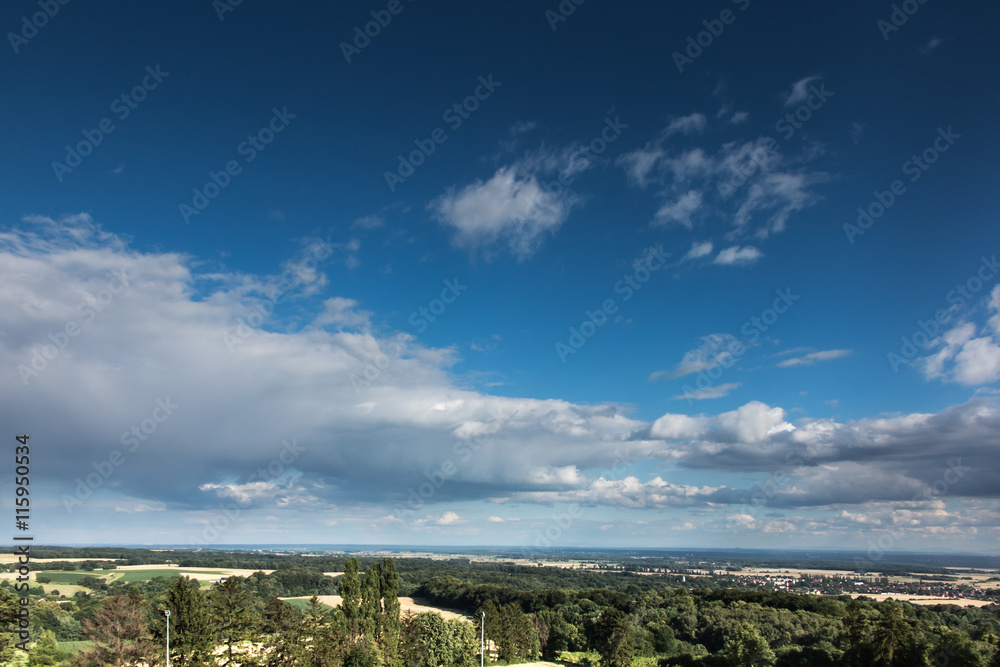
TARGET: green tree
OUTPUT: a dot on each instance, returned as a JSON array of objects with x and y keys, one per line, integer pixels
[
  {"x": 232, "y": 609},
  {"x": 857, "y": 630},
  {"x": 361, "y": 655},
  {"x": 389, "y": 584},
  {"x": 955, "y": 649},
  {"x": 464, "y": 643},
  {"x": 327, "y": 634},
  {"x": 371, "y": 605},
  {"x": 281, "y": 625},
  {"x": 350, "y": 595},
  {"x": 10, "y": 604},
  {"x": 893, "y": 642},
  {"x": 45, "y": 651},
  {"x": 613, "y": 634},
  {"x": 190, "y": 630},
  {"x": 120, "y": 635},
  {"x": 427, "y": 640},
  {"x": 746, "y": 648}
]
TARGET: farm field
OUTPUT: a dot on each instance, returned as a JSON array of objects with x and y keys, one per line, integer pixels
[
  {"x": 928, "y": 600},
  {"x": 406, "y": 605},
  {"x": 66, "y": 581},
  {"x": 6, "y": 559},
  {"x": 200, "y": 573}
]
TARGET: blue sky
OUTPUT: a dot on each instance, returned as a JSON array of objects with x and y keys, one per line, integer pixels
[{"x": 532, "y": 274}]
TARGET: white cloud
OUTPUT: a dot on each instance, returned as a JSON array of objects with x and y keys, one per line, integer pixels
[
  {"x": 782, "y": 193},
  {"x": 751, "y": 423},
  {"x": 692, "y": 124},
  {"x": 164, "y": 337},
  {"x": 681, "y": 210},
  {"x": 640, "y": 163},
  {"x": 761, "y": 186},
  {"x": 735, "y": 256},
  {"x": 718, "y": 391},
  {"x": 813, "y": 357},
  {"x": 699, "y": 250},
  {"x": 962, "y": 356},
  {"x": 509, "y": 209},
  {"x": 714, "y": 349},
  {"x": 360, "y": 453},
  {"x": 932, "y": 44},
  {"x": 799, "y": 91},
  {"x": 678, "y": 427},
  {"x": 343, "y": 313},
  {"x": 628, "y": 492},
  {"x": 522, "y": 127},
  {"x": 978, "y": 362},
  {"x": 369, "y": 222},
  {"x": 559, "y": 476}
]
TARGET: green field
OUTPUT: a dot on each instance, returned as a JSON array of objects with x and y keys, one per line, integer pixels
[
  {"x": 302, "y": 604},
  {"x": 74, "y": 646},
  {"x": 72, "y": 577},
  {"x": 60, "y": 577}
]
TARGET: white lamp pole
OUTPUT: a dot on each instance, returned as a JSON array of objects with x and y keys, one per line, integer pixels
[
  {"x": 167, "y": 614},
  {"x": 482, "y": 641}
]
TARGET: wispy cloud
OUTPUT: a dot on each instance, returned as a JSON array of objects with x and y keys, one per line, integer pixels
[
  {"x": 714, "y": 349},
  {"x": 681, "y": 210},
  {"x": 932, "y": 44},
  {"x": 737, "y": 256},
  {"x": 813, "y": 357},
  {"x": 693, "y": 124},
  {"x": 799, "y": 91},
  {"x": 699, "y": 250},
  {"x": 718, "y": 391}
]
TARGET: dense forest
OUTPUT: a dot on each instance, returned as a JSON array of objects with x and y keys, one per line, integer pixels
[{"x": 611, "y": 619}]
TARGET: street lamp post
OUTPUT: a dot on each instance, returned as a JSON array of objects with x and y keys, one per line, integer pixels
[
  {"x": 167, "y": 614},
  {"x": 482, "y": 641}
]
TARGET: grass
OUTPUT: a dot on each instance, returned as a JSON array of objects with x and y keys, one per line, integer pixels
[
  {"x": 75, "y": 646},
  {"x": 302, "y": 605},
  {"x": 61, "y": 577},
  {"x": 66, "y": 582}
]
